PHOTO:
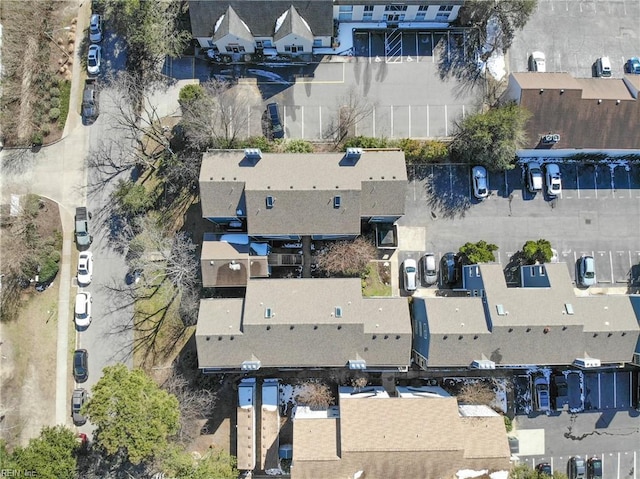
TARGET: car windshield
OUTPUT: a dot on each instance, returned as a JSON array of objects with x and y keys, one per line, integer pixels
[
  {"x": 92, "y": 62},
  {"x": 411, "y": 269},
  {"x": 94, "y": 29}
]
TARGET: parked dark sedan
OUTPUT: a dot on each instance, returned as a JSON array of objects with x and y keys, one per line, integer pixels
[
  {"x": 80, "y": 366},
  {"x": 449, "y": 269},
  {"x": 276, "y": 125}
]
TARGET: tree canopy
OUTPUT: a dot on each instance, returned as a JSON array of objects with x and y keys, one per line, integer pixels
[
  {"x": 491, "y": 138},
  {"x": 216, "y": 463},
  {"x": 151, "y": 31},
  {"x": 132, "y": 414},
  {"x": 537, "y": 251},
  {"x": 480, "y": 252},
  {"x": 50, "y": 456}
]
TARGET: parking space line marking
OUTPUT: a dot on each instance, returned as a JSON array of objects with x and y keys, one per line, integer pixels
[
  {"x": 446, "y": 121},
  {"x": 450, "y": 180},
  {"x": 410, "y": 110},
  {"x": 613, "y": 280},
  {"x": 618, "y": 465},
  {"x": 302, "y": 122},
  {"x": 428, "y": 121},
  {"x": 391, "y": 108},
  {"x": 577, "y": 182},
  {"x": 599, "y": 393},
  {"x": 374, "y": 121}
]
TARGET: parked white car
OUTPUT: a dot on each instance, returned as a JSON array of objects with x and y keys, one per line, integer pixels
[
  {"x": 85, "y": 268},
  {"x": 95, "y": 28},
  {"x": 410, "y": 270},
  {"x": 537, "y": 62},
  {"x": 94, "y": 59},
  {"x": 480, "y": 182},
  {"x": 83, "y": 310},
  {"x": 554, "y": 182}
]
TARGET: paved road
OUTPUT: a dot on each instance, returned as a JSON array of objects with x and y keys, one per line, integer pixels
[
  {"x": 598, "y": 214},
  {"x": 574, "y": 33}
]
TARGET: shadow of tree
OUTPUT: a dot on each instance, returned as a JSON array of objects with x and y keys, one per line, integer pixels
[
  {"x": 443, "y": 202},
  {"x": 512, "y": 268}
]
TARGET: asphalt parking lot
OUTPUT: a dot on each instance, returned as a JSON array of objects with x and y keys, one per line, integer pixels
[
  {"x": 597, "y": 214},
  {"x": 573, "y": 34}
]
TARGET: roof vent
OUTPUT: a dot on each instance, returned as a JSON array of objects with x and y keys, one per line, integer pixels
[
  {"x": 357, "y": 364},
  {"x": 338, "y": 312},
  {"x": 337, "y": 201},
  {"x": 250, "y": 365},
  {"x": 352, "y": 155},
  {"x": 501, "y": 310},
  {"x": 253, "y": 154},
  {"x": 270, "y": 200},
  {"x": 268, "y": 313},
  {"x": 568, "y": 308}
]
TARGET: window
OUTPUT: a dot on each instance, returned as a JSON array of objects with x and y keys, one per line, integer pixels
[
  {"x": 268, "y": 313},
  {"x": 228, "y": 48},
  {"x": 267, "y": 43},
  {"x": 423, "y": 8},
  {"x": 395, "y": 8},
  {"x": 421, "y": 16},
  {"x": 337, "y": 201},
  {"x": 270, "y": 201},
  {"x": 368, "y": 8},
  {"x": 367, "y": 16},
  {"x": 345, "y": 13},
  {"x": 210, "y": 43},
  {"x": 338, "y": 312},
  {"x": 258, "y": 43},
  {"x": 445, "y": 8},
  {"x": 393, "y": 17},
  {"x": 317, "y": 42}
]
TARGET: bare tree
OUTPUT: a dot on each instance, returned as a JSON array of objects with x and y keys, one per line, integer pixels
[
  {"x": 316, "y": 395},
  {"x": 138, "y": 117},
  {"x": 351, "y": 109},
  {"x": 348, "y": 258},
  {"x": 478, "y": 392},
  {"x": 219, "y": 119},
  {"x": 196, "y": 403}
]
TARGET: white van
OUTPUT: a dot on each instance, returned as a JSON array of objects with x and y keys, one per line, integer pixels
[{"x": 603, "y": 67}]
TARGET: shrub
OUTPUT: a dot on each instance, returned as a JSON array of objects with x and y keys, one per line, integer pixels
[
  {"x": 49, "y": 268},
  {"x": 54, "y": 91},
  {"x": 191, "y": 93},
  {"x": 37, "y": 138},
  {"x": 365, "y": 142},
  {"x": 298, "y": 146},
  {"x": 257, "y": 142},
  {"x": 55, "y": 102},
  {"x": 54, "y": 114},
  {"x": 46, "y": 130},
  {"x": 508, "y": 424}
]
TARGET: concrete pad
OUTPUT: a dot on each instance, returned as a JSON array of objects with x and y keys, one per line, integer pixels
[
  {"x": 531, "y": 442},
  {"x": 411, "y": 238}
]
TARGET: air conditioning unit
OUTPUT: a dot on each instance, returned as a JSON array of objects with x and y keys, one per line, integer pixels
[{"x": 252, "y": 153}]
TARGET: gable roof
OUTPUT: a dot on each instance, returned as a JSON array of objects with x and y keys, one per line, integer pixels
[
  {"x": 302, "y": 189},
  {"x": 294, "y": 323},
  {"x": 575, "y": 108},
  {"x": 397, "y": 437},
  {"x": 292, "y": 22},
  {"x": 259, "y": 15},
  {"x": 231, "y": 24}
]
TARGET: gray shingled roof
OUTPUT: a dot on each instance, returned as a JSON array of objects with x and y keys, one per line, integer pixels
[
  {"x": 303, "y": 187},
  {"x": 303, "y": 329},
  {"x": 232, "y": 24},
  {"x": 537, "y": 327},
  {"x": 259, "y": 15},
  {"x": 293, "y": 23}
]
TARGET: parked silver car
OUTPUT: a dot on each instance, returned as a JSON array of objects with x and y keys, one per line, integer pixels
[
  {"x": 78, "y": 399},
  {"x": 586, "y": 271},
  {"x": 429, "y": 269},
  {"x": 480, "y": 182}
]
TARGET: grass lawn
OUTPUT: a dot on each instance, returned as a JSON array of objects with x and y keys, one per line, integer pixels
[
  {"x": 160, "y": 334},
  {"x": 377, "y": 279}
]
